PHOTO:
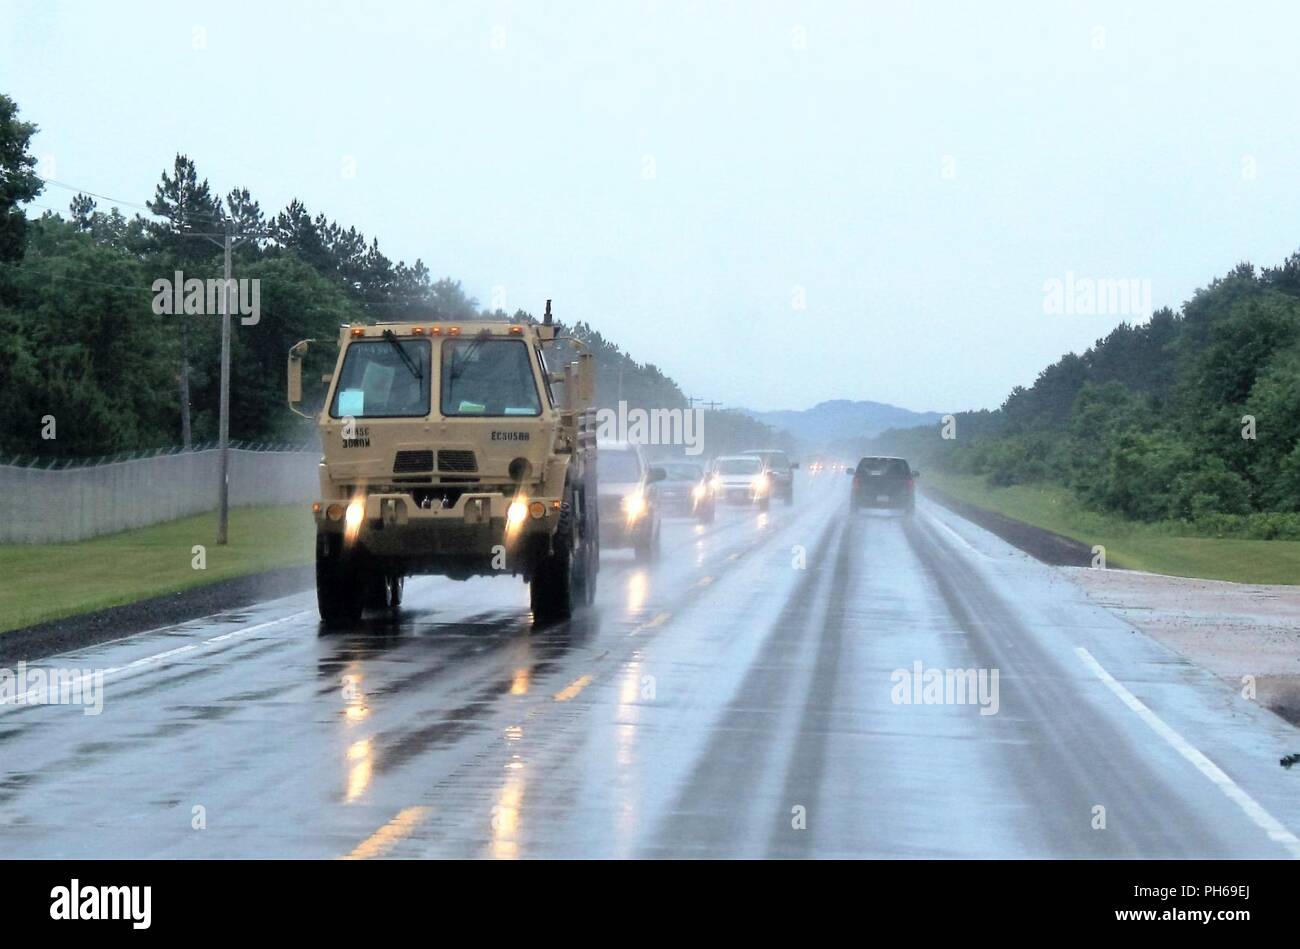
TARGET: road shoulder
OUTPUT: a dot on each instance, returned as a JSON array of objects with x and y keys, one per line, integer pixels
[
  {"x": 1245, "y": 633},
  {"x": 89, "y": 629}
]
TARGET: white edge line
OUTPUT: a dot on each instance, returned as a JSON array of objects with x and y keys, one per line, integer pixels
[
  {"x": 952, "y": 533},
  {"x": 157, "y": 657},
  {"x": 1254, "y": 810}
]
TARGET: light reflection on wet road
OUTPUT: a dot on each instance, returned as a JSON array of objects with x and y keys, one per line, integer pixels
[{"x": 726, "y": 701}]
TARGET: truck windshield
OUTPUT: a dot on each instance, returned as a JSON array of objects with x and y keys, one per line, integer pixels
[
  {"x": 617, "y": 466},
  {"x": 488, "y": 377},
  {"x": 739, "y": 466},
  {"x": 376, "y": 382}
]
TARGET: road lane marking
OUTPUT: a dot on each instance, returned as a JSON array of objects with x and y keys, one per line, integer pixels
[
  {"x": 390, "y": 835},
  {"x": 154, "y": 659},
  {"x": 1254, "y": 810},
  {"x": 252, "y": 629},
  {"x": 961, "y": 540},
  {"x": 572, "y": 689}
]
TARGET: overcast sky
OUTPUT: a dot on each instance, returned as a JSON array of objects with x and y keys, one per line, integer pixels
[{"x": 776, "y": 203}]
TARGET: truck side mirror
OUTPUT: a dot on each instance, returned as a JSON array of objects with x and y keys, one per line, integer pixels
[
  {"x": 586, "y": 386},
  {"x": 294, "y": 376},
  {"x": 295, "y": 379},
  {"x": 850, "y": 472},
  {"x": 794, "y": 465}
]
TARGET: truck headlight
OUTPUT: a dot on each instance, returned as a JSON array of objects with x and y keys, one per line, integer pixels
[
  {"x": 760, "y": 484},
  {"x": 699, "y": 492},
  {"x": 517, "y": 513},
  {"x": 352, "y": 518}
]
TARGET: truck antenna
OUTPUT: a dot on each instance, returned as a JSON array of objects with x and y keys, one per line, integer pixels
[{"x": 546, "y": 320}]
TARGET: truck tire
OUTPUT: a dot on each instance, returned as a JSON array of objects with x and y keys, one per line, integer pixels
[
  {"x": 588, "y": 560},
  {"x": 341, "y": 582},
  {"x": 551, "y": 593}
]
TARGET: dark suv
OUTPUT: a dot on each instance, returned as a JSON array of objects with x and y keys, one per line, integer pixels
[{"x": 883, "y": 483}]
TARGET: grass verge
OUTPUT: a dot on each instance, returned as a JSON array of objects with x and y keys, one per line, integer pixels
[
  {"x": 1157, "y": 548},
  {"x": 52, "y": 581}
]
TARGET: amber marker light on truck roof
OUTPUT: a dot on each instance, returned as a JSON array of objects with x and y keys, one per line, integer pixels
[
  {"x": 453, "y": 331},
  {"x": 358, "y": 331}
]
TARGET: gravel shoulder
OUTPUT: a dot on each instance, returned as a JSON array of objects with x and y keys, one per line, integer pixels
[{"x": 1232, "y": 629}]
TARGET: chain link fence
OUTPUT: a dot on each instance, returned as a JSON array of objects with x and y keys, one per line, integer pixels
[{"x": 44, "y": 502}]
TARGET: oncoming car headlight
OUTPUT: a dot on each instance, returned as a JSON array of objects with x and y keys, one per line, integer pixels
[
  {"x": 634, "y": 505},
  {"x": 761, "y": 484}
]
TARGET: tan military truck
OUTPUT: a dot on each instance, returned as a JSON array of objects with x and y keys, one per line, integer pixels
[{"x": 449, "y": 451}]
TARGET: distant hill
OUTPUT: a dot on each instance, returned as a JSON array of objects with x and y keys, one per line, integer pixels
[{"x": 842, "y": 419}]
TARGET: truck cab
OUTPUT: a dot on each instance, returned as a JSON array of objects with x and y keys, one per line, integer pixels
[{"x": 447, "y": 450}]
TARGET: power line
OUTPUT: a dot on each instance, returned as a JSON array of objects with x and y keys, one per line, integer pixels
[{"x": 104, "y": 197}]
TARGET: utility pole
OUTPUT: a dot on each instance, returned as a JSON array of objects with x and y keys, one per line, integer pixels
[
  {"x": 223, "y": 436},
  {"x": 227, "y": 243}
]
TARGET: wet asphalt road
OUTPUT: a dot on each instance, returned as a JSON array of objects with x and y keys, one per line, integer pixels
[{"x": 727, "y": 701}]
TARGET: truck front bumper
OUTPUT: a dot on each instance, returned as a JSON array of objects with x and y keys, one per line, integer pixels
[{"x": 393, "y": 524}]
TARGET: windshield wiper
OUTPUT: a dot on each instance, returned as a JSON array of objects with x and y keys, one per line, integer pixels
[
  {"x": 409, "y": 362},
  {"x": 458, "y": 364}
]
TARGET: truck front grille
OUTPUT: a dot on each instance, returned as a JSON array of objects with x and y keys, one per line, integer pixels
[
  {"x": 459, "y": 461},
  {"x": 409, "y": 462}
]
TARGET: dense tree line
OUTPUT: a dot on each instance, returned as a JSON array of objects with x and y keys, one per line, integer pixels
[
  {"x": 1192, "y": 416},
  {"x": 80, "y": 341}
]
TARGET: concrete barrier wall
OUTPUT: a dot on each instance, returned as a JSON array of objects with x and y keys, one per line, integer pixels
[{"x": 40, "y": 506}]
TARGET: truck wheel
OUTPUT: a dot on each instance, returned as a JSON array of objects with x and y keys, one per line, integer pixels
[
  {"x": 584, "y": 572},
  {"x": 341, "y": 582},
  {"x": 551, "y": 592},
  {"x": 584, "y": 575}
]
